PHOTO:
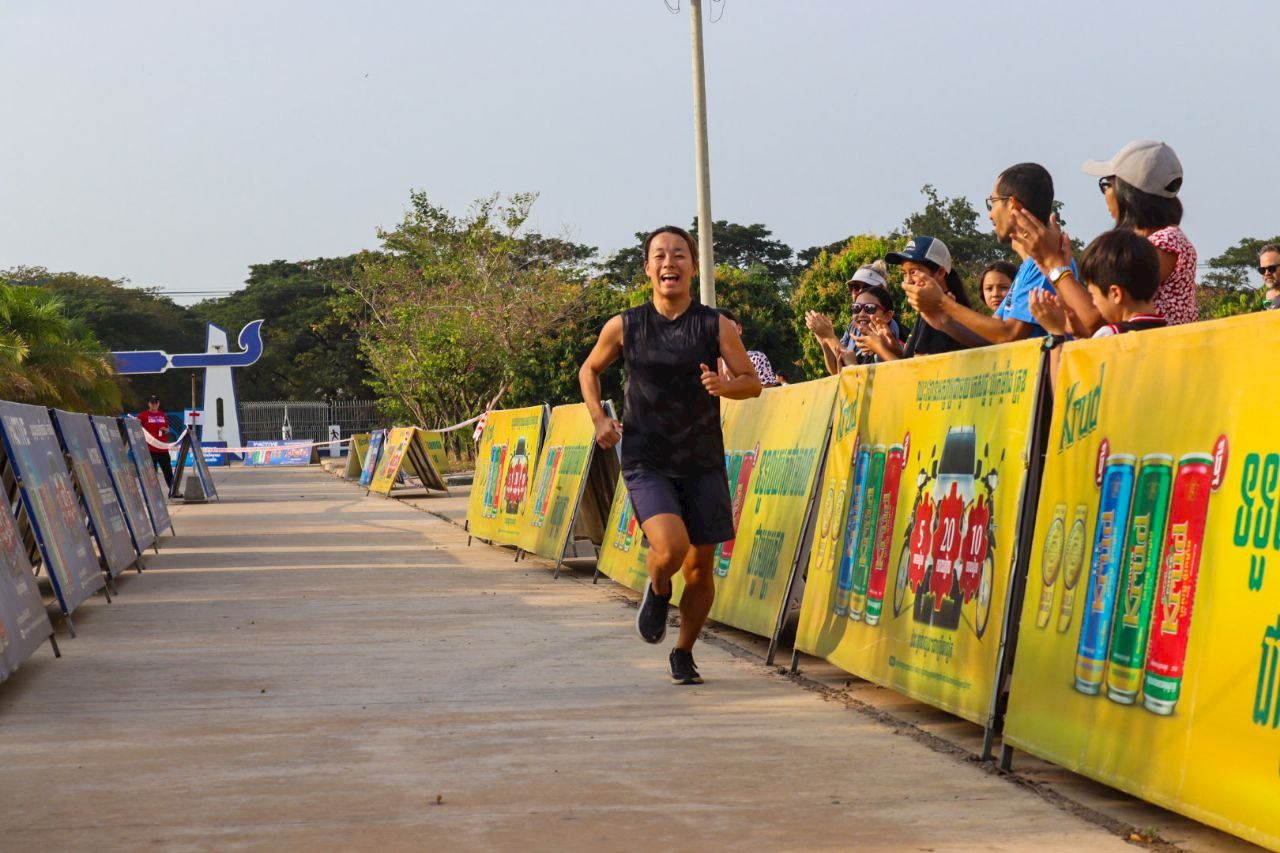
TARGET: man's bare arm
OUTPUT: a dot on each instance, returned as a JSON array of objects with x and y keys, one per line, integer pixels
[
  {"x": 746, "y": 383},
  {"x": 607, "y": 350}
]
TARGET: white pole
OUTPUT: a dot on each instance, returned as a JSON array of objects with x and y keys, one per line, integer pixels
[{"x": 706, "y": 258}]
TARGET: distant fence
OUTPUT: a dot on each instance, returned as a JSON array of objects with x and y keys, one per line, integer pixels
[{"x": 309, "y": 419}]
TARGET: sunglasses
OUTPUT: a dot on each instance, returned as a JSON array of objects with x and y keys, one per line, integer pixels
[
  {"x": 1268, "y": 270},
  {"x": 867, "y": 307},
  {"x": 1105, "y": 184},
  {"x": 991, "y": 200}
]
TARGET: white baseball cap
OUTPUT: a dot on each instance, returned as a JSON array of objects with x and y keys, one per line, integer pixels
[
  {"x": 1149, "y": 165},
  {"x": 868, "y": 276}
]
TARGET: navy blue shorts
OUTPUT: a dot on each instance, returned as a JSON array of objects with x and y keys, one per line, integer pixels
[{"x": 702, "y": 500}]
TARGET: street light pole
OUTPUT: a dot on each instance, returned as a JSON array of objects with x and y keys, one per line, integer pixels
[{"x": 706, "y": 257}]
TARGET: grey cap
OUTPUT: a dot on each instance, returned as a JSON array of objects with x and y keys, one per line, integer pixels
[{"x": 1144, "y": 163}]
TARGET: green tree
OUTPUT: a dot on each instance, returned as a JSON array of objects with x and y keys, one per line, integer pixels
[
  {"x": 451, "y": 308},
  {"x": 122, "y": 317},
  {"x": 766, "y": 315},
  {"x": 50, "y": 359},
  {"x": 746, "y": 246},
  {"x": 309, "y": 353},
  {"x": 549, "y": 372}
]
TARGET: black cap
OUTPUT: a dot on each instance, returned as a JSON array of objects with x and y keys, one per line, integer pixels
[{"x": 153, "y": 399}]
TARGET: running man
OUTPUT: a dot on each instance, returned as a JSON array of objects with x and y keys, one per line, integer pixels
[{"x": 673, "y": 453}]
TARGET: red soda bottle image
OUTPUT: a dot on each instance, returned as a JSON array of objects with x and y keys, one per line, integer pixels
[
  {"x": 517, "y": 483},
  {"x": 1176, "y": 586},
  {"x": 894, "y": 463},
  {"x": 921, "y": 543},
  {"x": 739, "y": 484},
  {"x": 975, "y": 547},
  {"x": 946, "y": 545}
]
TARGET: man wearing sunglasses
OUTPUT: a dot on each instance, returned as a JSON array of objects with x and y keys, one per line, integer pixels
[
  {"x": 1269, "y": 267},
  {"x": 1024, "y": 187}
]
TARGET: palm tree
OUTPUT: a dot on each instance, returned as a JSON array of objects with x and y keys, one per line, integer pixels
[{"x": 49, "y": 359}]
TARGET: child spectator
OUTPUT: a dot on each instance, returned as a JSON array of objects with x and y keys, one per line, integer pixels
[
  {"x": 995, "y": 282},
  {"x": 1121, "y": 271}
]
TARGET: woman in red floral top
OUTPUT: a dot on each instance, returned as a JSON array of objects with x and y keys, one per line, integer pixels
[{"x": 1141, "y": 186}]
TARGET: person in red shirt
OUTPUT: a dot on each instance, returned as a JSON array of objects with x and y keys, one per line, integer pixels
[{"x": 156, "y": 423}]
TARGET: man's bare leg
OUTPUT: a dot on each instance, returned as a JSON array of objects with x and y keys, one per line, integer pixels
[
  {"x": 699, "y": 593},
  {"x": 668, "y": 549}
]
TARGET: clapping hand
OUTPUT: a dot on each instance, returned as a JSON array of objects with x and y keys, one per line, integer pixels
[
  {"x": 820, "y": 324},
  {"x": 1047, "y": 245},
  {"x": 1048, "y": 311}
]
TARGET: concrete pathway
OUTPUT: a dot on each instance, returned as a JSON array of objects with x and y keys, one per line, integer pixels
[{"x": 303, "y": 667}]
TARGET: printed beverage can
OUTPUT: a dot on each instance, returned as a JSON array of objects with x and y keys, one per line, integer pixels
[
  {"x": 1072, "y": 562},
  {"x": 1175, "y": 594},
  {"x": 844, "y": 582},
  {"x": 545, "y": 477},
  {"x": 740, "y": 481},
  {"x": 894, "y": 462},
  {"x": 732, "y": 465},
  {"x": 867, "y": 532},
  {"x": 1051, "y": 563},
  {"x": 1108, "y": 547},
  {"x": 822, "y": 545},
  {"x": 1136, "y": 584}
]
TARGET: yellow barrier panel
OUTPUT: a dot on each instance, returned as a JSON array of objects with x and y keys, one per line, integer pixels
[
  {"x": 405, "y": 453},
  {"x": 433, "y": 442},
  {"x": 567, "y": 463},
  {"x": 355, "y": 456},
  {"x": 910, "y": 566},
  {"x": 773, "y": 448},
  {"x": 1149, "y": 639},
  {"x": 505, "y": 459},
  {"x": 384, "y": 476}
]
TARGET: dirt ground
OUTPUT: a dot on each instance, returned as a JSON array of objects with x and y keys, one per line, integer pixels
[{"x": 305, "y": 667}]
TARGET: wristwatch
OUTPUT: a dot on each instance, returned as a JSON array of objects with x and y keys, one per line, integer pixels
[
  {"x": 1052, "y": 341},
  {"x": 1057, "y": 273}
]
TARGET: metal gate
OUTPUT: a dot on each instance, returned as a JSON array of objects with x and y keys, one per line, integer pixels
[{"x": 308, "y": 419}]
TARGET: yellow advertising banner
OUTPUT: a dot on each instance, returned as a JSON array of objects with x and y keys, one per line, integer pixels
[
  {"x": 914, "y": 545},
  {"x": 773, "y": 448},
  {"x": 1148, "y": 651},
  {"x": 405, "y": 453},
  {"x": 433, "y": 442},
  {"x": 355, "y": 456},
  {"x": 569, "y": 453},
  {"x": 393, "y": 454},
  {"x": 505, "y": 459}
]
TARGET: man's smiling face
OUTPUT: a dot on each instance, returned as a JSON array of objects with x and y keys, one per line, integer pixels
[{"x": 669, "y": 265}]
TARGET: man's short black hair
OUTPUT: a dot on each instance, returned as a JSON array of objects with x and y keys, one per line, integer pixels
[
  {"x": 728, "y": 315},
  {"x": 1125, "y": 259},
  {"x": 1032, "y": 185},
  {"x": 670, "y": 229},
  {"x": 1142, "y": 210}
]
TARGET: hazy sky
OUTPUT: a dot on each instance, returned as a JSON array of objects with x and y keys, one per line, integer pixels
[{"x": 175, "y": 143}]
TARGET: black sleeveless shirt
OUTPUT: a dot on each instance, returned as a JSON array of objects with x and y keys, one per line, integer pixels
[{"x": 671, "y": 425}]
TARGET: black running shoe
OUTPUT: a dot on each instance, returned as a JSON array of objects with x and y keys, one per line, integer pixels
[
  {"x": 683, "y": 669},
  {"x": 651, "y": 621}
]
